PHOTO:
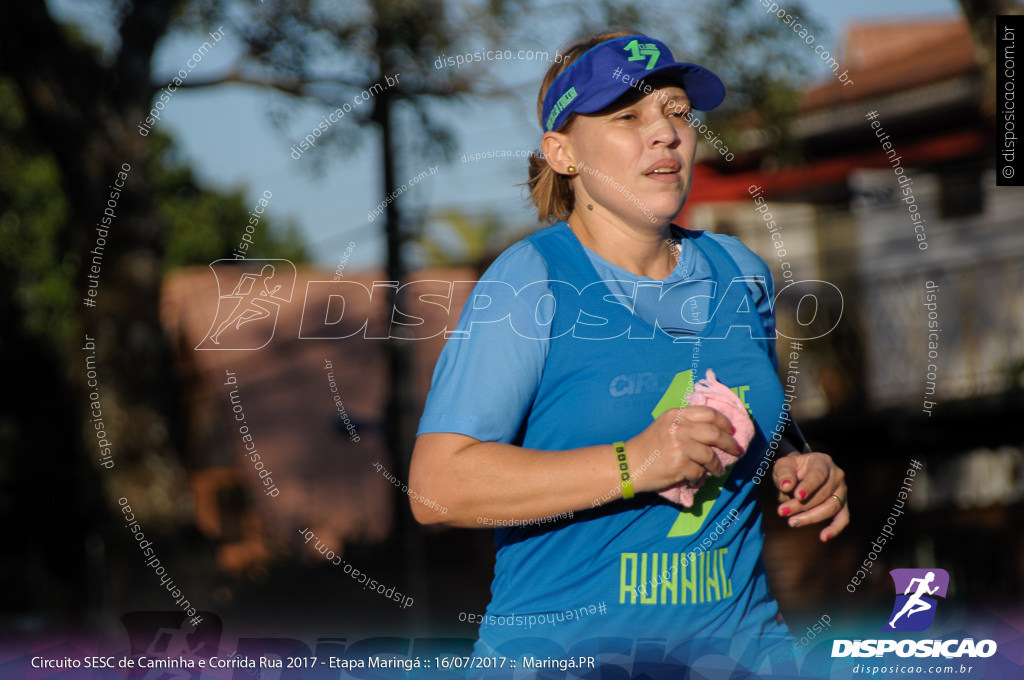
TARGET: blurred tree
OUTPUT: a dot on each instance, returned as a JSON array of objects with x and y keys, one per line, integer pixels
[
  {"x": 203, "y": 225},
  {"x": 765, "y": 67},
  {"x": 452, "y": 238},
  {"x": 35, "y": 298},
  {"x": 40, "y": 302},
  {"x": 80, "y": 109}
]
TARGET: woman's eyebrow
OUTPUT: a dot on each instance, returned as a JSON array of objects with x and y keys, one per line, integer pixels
[
  {"x": 678, "y": 95},
  {"x": 678, "y": 104}
]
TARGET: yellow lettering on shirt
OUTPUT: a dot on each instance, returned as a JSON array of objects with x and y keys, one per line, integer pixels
[{"x": 674, "y": 578}]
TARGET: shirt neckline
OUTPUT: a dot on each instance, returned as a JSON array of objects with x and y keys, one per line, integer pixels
[{"x": 685, "y": 265}]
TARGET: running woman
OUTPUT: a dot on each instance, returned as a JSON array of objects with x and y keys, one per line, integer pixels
[{"x": 543, "y": 402}]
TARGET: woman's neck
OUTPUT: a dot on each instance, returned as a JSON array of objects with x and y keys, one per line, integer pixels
[{"x": 644, "y": 251}]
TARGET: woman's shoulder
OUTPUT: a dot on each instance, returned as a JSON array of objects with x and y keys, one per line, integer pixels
[
  {"x": 519, "y": 264},
  {"x": 749, "y": 262}
]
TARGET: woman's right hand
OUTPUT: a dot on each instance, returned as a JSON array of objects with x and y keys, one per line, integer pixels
[{"x": 677, "y": 446}]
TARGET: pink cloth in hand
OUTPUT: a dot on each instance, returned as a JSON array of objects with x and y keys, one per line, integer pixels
[{"x": 710, "y": 392}]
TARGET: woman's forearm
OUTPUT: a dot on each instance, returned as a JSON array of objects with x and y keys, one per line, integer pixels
[
  {"x": 484, "y": 483},
  {"x": 480, "y": 481}
]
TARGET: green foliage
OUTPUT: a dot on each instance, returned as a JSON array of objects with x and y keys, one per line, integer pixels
[
  {"x": 36, "y": 256},
  {"x": 452, "y": 238},
  {"x": 203, "y": 226},
  {"x": 32, "y": 212}
]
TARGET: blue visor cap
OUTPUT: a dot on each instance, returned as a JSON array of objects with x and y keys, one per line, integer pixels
[{"x": 607, "y": 71}]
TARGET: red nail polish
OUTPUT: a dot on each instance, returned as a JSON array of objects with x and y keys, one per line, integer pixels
[
  {"x": 785, "y": 512},
  {"x": 802, "y": 494},
  {"x": 787, "y": 482},
  {"x": 826, "y": 537}
]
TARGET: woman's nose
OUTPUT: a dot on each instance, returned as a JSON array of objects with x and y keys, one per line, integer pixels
[{"x": 660, "y": 130}]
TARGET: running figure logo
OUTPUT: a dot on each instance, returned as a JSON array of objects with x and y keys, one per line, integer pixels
[
  {"x": 914, "y": 609},
  {"x": 258, "y": 289}
]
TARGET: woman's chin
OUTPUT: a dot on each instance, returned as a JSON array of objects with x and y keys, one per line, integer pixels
[{"x": 664, "y": 211}]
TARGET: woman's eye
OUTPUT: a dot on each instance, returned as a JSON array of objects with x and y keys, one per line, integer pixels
[{"x": 682, "y": 113}]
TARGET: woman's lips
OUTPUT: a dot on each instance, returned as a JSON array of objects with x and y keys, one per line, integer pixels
[
  {"x": 663, "y": 176},
  {"x": 664, "y": 164}
]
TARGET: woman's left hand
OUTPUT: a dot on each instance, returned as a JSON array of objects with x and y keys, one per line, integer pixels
[{"x": 812, "y": 488}]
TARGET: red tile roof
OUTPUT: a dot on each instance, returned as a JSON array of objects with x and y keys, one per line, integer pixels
[{"x": 889, "y": 57}]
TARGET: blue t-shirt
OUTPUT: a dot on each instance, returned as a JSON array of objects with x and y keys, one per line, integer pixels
[
  {"x": 463, "y": 398},
  {"x": 565, "y": 351}
]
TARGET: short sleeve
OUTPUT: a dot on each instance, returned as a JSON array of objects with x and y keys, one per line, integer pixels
[{"x": 488, "y": 373}]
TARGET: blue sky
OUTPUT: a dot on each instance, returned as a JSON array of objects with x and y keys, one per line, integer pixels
[{"x": 226, "y": 134}]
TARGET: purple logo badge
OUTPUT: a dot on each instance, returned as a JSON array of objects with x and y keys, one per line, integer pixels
[{"x": 916, "y": 593}]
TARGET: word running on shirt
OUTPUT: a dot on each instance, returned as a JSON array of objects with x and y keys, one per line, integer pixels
[
  {"x": 682, "y": 578},
  {"x": 342, "y": 309}
]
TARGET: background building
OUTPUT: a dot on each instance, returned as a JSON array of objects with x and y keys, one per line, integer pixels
[{"x": 896, "y": 205}]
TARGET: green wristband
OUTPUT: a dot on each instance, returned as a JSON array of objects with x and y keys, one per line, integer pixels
[{"x": 625, "y": 480}]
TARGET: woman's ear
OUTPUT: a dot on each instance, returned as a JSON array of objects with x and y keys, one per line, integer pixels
[{"x": 558, "y": 152}]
